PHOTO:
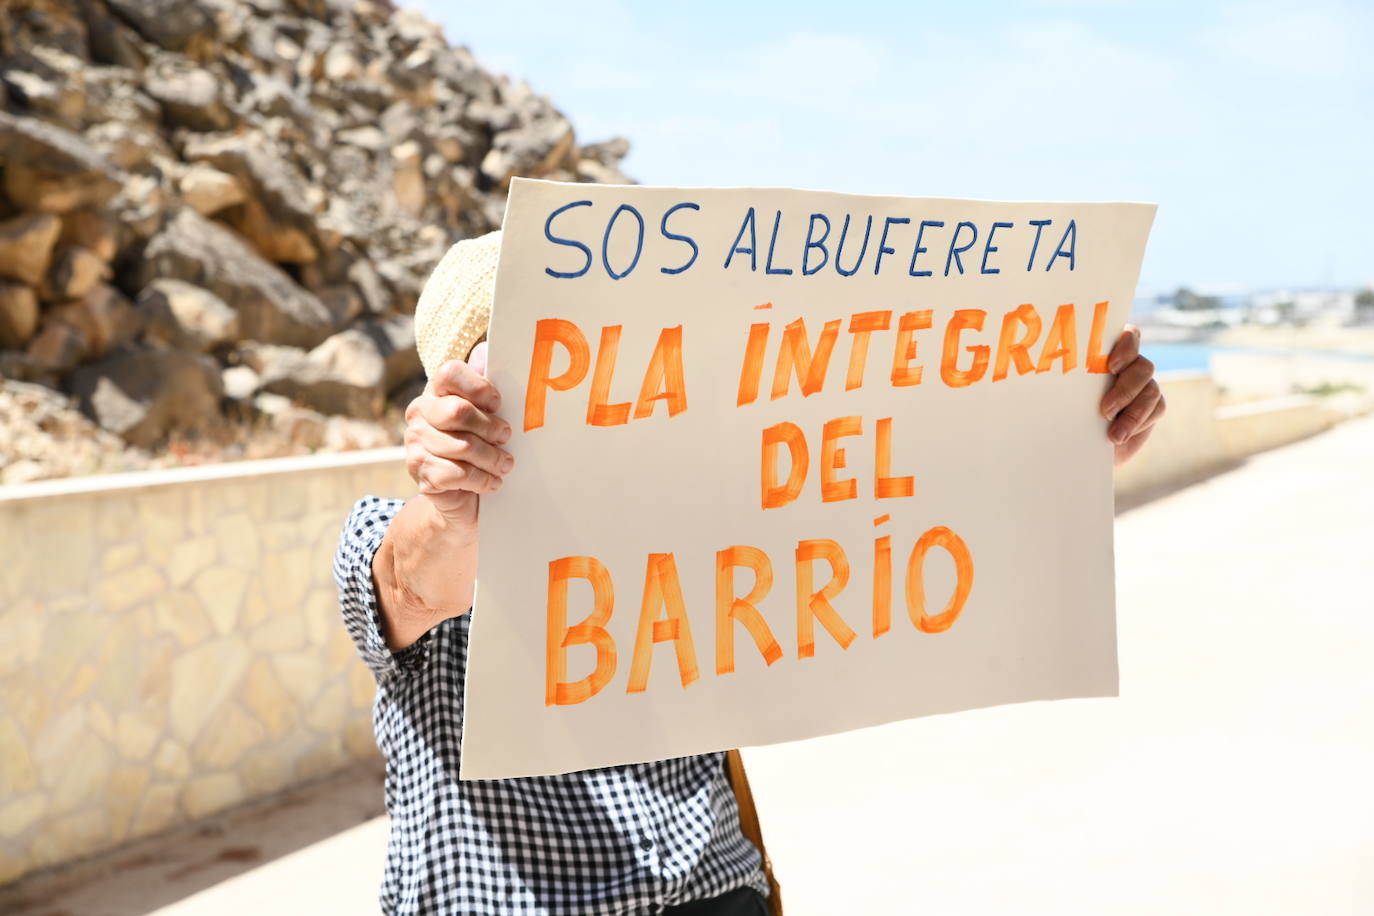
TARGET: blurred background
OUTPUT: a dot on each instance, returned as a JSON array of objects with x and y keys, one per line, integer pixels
[{"x": 215, "y": 220}]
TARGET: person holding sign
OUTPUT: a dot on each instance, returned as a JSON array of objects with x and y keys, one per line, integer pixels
[{"x": 658, "y": 837}]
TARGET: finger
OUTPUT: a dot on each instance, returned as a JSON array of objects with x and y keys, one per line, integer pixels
[
  {"x": 436, "y": 475},
  {"x": 1125, "y": 351},
  {"x": 460, "y": 378},
  {"x": 1131, "y": 420},
  {"x": 456, "y": 414},
  {"x": 1129, "y": 383},
  {"x": 477, "y": 359},
  {"x": 1127, "y": 450},
  {"x": 461, "y": 447}
]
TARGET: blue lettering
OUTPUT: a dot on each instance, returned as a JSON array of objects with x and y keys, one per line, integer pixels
[
  {"x": 606, "y": 241},
  {"x": 768, "y": 264},
  {"x": 839, "y": 246},
  {"x": 819, "y": 243},
  {"x": 882, "y": 242},
  {"x": 1070, "y": 236},
  {"x": 1039, "y": 225},
  {"x": 920, "y": 249},
  {"x": 989, "y": 248},
  {"x": 955, "y": 249},
  {"x": 753, "y": 242},
  {"x": 663, "y": 227},
  {"x": 571, "y": 243}
]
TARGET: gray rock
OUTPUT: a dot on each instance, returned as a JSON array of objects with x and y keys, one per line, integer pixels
[
  {"x": 189, "y": 96},
  {"x": 143, "y": 395},
  {"x": 208, "y": 190},
  {"x": 128, "y": 146},
  {"x": 184, "y": 316},
  {"x": 395, "y": 341},
  {"x": 343, "y": 375},
  {"x": 48, "y": 168},
  {"x": 171, "y": 24},
  {"x": 607, "y": 152},
  {"x": 277, "y": 184},
  {"x": 270, "y": 306},
  {"x": 110, "y": 40},
  {"x": 533, "y": 150},
  {"x": 26, "y": 244},
  {"x": 376, "y": 298}
]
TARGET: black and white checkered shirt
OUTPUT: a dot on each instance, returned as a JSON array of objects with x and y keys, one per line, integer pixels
[{"x": 629, "y": 839}]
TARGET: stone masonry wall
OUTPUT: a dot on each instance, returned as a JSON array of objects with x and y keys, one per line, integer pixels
[{"x": 172, "y": 646}]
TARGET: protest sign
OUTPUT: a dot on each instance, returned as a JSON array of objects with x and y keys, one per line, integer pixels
[{"x": 790, "y": 463}]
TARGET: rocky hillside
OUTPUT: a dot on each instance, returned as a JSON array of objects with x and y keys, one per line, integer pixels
[{"x": 217, "y": 216}]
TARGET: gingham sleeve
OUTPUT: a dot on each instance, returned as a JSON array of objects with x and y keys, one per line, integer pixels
[{"x": 361, "y": 536}]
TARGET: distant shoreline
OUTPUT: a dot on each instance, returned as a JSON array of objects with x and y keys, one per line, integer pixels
[{"x": 1347, "y": 341}]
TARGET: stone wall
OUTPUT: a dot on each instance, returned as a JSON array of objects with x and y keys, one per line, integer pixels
[
  {"x": 1200, "y": 436},
  {"x": 172, "y": 646}
]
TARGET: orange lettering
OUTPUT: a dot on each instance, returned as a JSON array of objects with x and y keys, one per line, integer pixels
[
  {"x": 599, "y": 413},
  {"x": 752, "y": 368},
  {"x": 882, "y": 585},
  {"x": 744, "y": 610},
  {"x": 547, "y": 332},
  {"x": 1010, "y": 349},
  {"x": 832, "y": 459},
  {"x": 950, "y": 372},
  {"x": 815, "y": 605},
  {"x": 1097, "y": 359},
  {"x": 663, "y": 380},
  {"x": 591, "y": 630},
  {"x": 915, "y": 580},
  {"x": 861, "y": 326},
  {"x": 903, "y": 373},
  {"x": 775, "y": 494},
  {"x": 1061, "y": 341},
  {"x": 662, "y": 590},
  {"x": 885, "y": 486},
  {"x": 795, "y": 355}
]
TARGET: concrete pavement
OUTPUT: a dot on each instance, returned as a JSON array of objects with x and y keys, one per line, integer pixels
[{"x": 1233, "y": 775}]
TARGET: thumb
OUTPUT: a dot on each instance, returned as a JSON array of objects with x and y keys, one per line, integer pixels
[{"x": 477, "y": 359}]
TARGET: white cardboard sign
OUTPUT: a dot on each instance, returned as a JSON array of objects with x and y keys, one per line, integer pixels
[{"x": 790, "y": 463}]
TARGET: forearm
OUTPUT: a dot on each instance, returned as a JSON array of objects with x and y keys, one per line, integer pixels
[{"x": 425, "y": 571}]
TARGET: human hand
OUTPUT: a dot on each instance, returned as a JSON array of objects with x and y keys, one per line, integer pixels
[
  {"x": 1134, "y": 403},
  {"x": 453, "y": 438}
]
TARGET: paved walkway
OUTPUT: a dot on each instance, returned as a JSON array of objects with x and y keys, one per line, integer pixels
[{"x": 1234, "y": 775}]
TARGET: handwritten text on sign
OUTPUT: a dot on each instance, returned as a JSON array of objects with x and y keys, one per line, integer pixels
[{"x": 890, "y": 399}]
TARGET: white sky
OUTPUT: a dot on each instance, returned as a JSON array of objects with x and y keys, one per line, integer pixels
[{"x": 1250, "y": 124}]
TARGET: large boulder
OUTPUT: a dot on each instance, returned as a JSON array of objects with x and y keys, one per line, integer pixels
[
  {"x": 534, "y": 149},
  {"x": 344, "y": 375},
  {"x": 271, "y": 308},
  {"x": 189, "y": 96},
  {"x": 183, "y": 316},
  {"x": 208, "y": 190},
  {"x": 394, "y": 339},
  {"x": 26, "y": 244},
  {"x": 172, "y": 24},
  {"x": 48, "y": 168},
  {"x": 143, "y": 395},
  {"x": 278, "y": 215}
]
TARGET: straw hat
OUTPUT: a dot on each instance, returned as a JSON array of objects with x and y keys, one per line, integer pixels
[{"x": 454, "y": 310}]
